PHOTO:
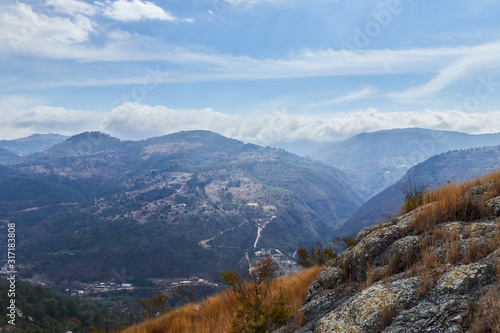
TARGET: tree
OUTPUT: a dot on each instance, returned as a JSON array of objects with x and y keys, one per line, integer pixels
[
  {"x": 155, "y": 306},
  {"x": 262, "y": 307},
  {"x": 186, "y": 294},
  {"x": 321, "y": 253},
  {"x": 414, "y": 192}
]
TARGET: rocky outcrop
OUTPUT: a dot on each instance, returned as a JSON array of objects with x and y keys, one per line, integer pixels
[
  {"x": 494, "y": 205},
  {"x": 478, "y": 191},
  {"x": 367, "y": 310},
  {"x": 398, "y": 278}
]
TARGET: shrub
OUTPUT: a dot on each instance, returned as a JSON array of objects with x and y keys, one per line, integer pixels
[
  {"x": 414, "y": 192},
  {"x": 217, "y": 313},
  {"x": 321, "y": 253},
  {"x": 261, "y": 309},
  {"x": 155, "y": 306},
  {"x": 487, "y": 313}
]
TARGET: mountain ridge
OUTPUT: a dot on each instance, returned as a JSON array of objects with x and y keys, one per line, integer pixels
[
  {"x": 32, "y": 144},
  {"x": 195, "y": 194},
  {"x": 376, "y": 160},
  {"x": 437, "y": 171}
]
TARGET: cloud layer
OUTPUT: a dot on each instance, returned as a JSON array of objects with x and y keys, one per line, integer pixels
[
  {"x": 68, "y": 30},
  {"x": 138, "y": 121}
]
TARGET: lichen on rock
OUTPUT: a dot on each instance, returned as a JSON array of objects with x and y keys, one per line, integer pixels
[
  {"x": 365, "y": 311},
  {"x": 399, "y": 279},
  {"x": 462, "y": 277}
]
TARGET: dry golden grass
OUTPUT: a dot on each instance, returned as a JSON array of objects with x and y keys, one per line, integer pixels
[
  {"x": 390, "y": 268},
  {"x": 370, "y": 276},
  {"x": 427, "y": 266},
  {"x": 217, "y": 312},
  {"x": 430, "y": 260},
  {"x": 486, "y": 317},
  {"x": 387, "y": 317},
  {"x": 450, "y": 203},
  {"x": 472, "y": 251},
  {"x": 453, "y": 245},
  {"x": 447, "y": 204},
  {"x": 494, "y": 243}
]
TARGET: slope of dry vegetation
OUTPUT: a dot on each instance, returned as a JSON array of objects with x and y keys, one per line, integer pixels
[
  {"x": 455, "y": 202},
  {"x": 441, "y": 223},
  {"x": 216, "y": 313},
  {"x": 453, "y": 228},
  {"x": 452, "y": 234}
]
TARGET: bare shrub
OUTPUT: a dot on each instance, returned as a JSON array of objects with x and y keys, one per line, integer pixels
[{"x": 487, "y": 313}]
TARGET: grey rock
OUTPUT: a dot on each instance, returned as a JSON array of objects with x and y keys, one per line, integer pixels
[
  {"x": 329, "y": 278},
  {"x": 371, "y": 246},
  {"x": 442, "y": 314},
  {"x": 478, "y": 191},
  {"x": 461, "y": 279},
  {"x": 494, "y": 205},
  {"x": 365, "y": 311},
  {"x": 397, "y": 303}
]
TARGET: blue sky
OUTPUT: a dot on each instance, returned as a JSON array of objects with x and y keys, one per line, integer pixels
[{"x": 261, "y": 71}]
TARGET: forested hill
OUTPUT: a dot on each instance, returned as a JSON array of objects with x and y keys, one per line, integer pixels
[{"x": 180, "y": 205}]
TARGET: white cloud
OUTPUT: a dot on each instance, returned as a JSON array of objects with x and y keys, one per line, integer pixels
[
  {"x": 134, "y": 120},
  {"x": 350, "y": 97},
  {"x": 136, "y": 10},
  {"x": 53, "y": 37},
  {"x": 254, "y": 2},
  {"x": 56, "y": 37},
  {"x": 355, "y": 95},
  {"x": 477, "y": 58},
  {"x": 137, "y": 121},
  {"x": 28, "y": 32},
  {"x": 183, "y": 64},
  {"x": 189, "y": 65},
  {"x": 46, "y": 119},
  {"x": 25, "y": 31},
  {"x": 72, "y": 7}
]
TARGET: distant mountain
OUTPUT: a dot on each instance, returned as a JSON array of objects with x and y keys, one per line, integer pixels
[
  {"x": 32, "y": 144},
  {"x": 377, "y": 160},
  {"x": 7, "y": 156},
  {"x": 436, "y": 171},
  {"x": 181, "y": 205},
  {"x": 301, "y": 147}
]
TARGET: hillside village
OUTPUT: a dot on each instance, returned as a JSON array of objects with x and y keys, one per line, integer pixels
[{"x": 434, "y": 268}]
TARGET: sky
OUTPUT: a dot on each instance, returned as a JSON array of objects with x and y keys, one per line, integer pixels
[{"x": 261, "y": 71}]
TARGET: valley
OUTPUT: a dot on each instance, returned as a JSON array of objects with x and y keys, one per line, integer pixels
[
  {"x": 187, "y": 204},
  {"x": 102, "y": 218}
]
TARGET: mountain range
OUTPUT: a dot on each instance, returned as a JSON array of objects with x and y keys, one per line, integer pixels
[
  {"x": 94, "y": 207},
  {"x": 195, "y": 203},
  {"x": 31, "y": 144},
  {"x": 437, "y": 171},
  {"x": 376, "y": 160}
]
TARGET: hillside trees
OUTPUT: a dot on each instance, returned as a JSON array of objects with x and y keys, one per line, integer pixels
[
  {"x": 155, "y": 306},
  {"x": 321, "y": 253}
]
